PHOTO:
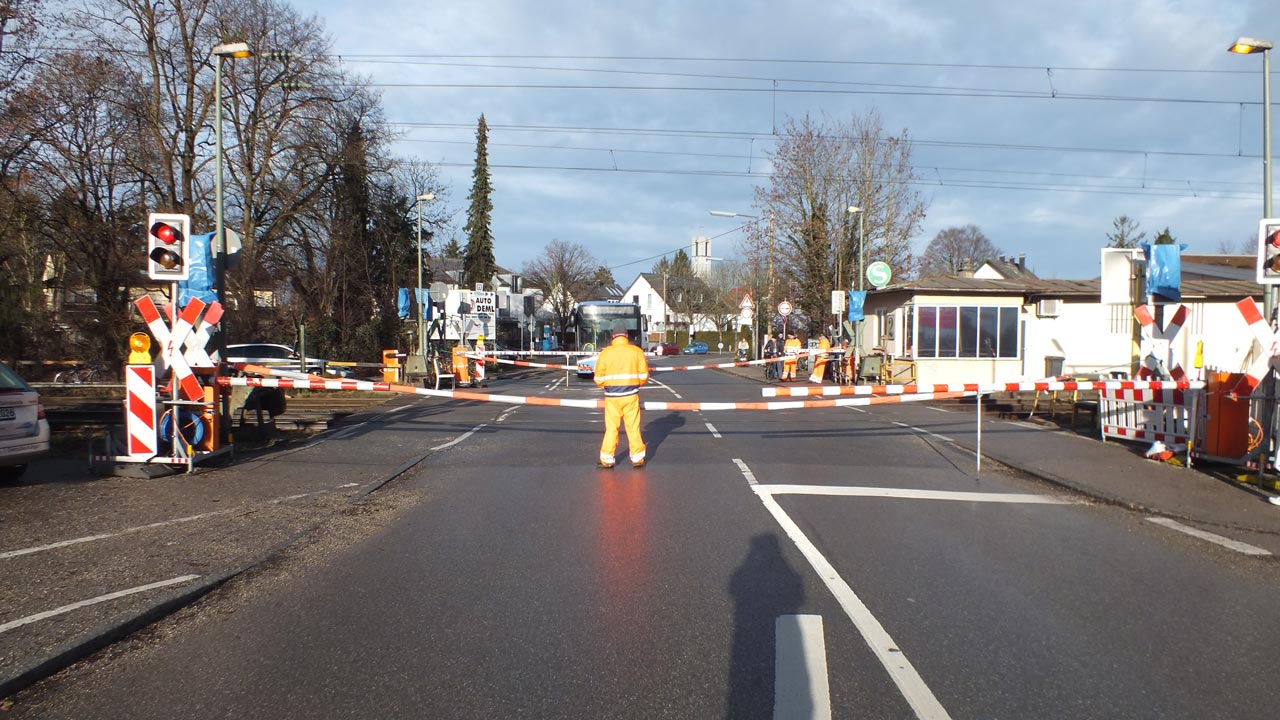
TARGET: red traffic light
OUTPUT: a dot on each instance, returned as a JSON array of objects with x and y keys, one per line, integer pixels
[
  {"x": 1274, "y": 239},
  {"x": 166, "y": 233}
]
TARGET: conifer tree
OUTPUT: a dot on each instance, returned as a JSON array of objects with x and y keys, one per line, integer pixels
[{"x": 478, "y": 264}]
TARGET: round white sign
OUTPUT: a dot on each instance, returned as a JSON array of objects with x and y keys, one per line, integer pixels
[
  {"x": 879, "y": 274},
  {"x": 784, "y": 308}
]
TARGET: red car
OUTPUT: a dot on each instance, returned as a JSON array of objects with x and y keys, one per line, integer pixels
[{"x": 666, "y": 348}]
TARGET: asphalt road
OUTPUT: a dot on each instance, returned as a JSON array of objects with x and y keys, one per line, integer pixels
[{"x": 762, "y": 564}]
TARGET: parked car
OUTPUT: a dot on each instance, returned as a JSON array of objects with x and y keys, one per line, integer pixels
[
  {"x": 666, "y": 348},
  {"x": 694, "y": 348},
  {"x": 24, "y": 431},
  {"x": 280, "y": 356},
  {"x": 587, "y": 367}
]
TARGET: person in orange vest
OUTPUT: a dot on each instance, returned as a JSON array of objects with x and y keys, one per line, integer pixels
[
  {"x": 621, "y": 369},
  {"x": 791, "y": 348},
  {"x": 820, "y": 360}
]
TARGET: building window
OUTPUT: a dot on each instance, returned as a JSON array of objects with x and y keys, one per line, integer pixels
[{"x": 967, "y": 332}]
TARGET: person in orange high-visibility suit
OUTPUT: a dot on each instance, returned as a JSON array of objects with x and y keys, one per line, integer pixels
[
  {"x": 791, "y": 347},
  {"x": 820, "y": 361},
  {"x": 621, "y": 369}
]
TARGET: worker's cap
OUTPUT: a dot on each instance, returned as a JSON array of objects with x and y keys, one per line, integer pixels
[{"x": 617, "y": 328}]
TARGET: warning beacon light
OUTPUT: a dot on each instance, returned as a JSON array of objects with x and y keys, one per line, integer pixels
[
  {"x": 139, "y": 349},
  {"x": 1269, "y": 251},
  {"x": 168, "y": 256}
]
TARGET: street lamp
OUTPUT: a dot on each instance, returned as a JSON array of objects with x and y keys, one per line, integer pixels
[
  {"x": 225, "y": 50},
  {"x": 769, "y": 298},
  {"x": 422, "y": 335},
  {"x": 1248, "y": 46}
]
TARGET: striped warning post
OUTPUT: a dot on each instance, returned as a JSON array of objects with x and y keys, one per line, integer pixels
[
  {"x": 140, "y": 410},
  {"x": 1266, "y": 337},
  {"x": 321, "y": 384},
  {"x": 985, "y": 388},
  {"x": 1155, "y": 339}
]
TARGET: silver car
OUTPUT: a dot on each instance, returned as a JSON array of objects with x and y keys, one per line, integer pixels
[{"x": 24, "y": 431}]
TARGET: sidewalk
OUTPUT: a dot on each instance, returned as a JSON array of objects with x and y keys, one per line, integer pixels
[{"x": 1113, "y": 472}]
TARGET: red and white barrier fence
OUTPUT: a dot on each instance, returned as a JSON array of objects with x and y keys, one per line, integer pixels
[
  {"x": 652, "y": 368},
  {"x": 366, "y": 385},
  {"x": 985, "y": 388}
]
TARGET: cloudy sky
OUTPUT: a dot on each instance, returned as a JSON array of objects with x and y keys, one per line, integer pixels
[{"x": 620, "y": 125}]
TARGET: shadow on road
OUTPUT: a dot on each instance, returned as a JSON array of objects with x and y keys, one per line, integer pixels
[
  {"x": 657, "y": 430},
  {"x": 763, "y": 587}
]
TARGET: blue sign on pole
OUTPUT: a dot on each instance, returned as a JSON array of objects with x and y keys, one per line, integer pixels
[{"x": 857, "y": 298}]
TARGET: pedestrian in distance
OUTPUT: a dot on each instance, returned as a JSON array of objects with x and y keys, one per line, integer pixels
[
  {"x": 621, "y": 369},
  {"x": 791, "y": 348},
  {"x": 771, "y": 350}
]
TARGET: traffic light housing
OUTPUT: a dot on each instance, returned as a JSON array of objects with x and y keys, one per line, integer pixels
[
  {"x": 1269, "y": 251},
  {"x": 168, "y": 254}
]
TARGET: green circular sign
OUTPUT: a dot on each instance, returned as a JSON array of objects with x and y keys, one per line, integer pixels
[{"x": 879, "y": 274}]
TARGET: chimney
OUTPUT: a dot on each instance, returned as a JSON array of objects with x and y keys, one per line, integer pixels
[{"x": 1022, "y": 261}]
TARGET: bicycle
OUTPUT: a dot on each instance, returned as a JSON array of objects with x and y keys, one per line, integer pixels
[{"x": 80, "y": 374}]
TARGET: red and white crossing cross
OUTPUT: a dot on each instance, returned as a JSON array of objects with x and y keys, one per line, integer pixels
[
  {"x": 196, "y": 346},
  {"x": 1266, "y": 337},
  {"x": 171, "y": 355},
  {"x": 1157, "y": 342},
  {"x": 140, "y": 409}
]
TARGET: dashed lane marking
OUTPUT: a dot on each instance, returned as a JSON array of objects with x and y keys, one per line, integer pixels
[
  {"x": 667, "y": 387},
  {"x": 714, "y": 433},
  {"x": 800, "y": 685},
  {"x": 1228, "y": 543},
  {"x": 746, "y": 471},
  {"x": 937, "y": 409},
  {"x": 94, "y": 601}
]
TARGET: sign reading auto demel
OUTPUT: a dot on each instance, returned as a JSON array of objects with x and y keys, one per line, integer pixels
[{"x": 484, "y": 303}]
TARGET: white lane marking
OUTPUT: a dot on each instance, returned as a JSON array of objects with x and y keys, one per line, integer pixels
[
  {"x": 94, "y": 601},
  {"x": 398, "y": 408},
  {"x": 937, "y": 409},
  {"x": 746, "y": 471},
  {"x": 151, "y": 526},
  {"x": 904, "y": 675},
  {"x": 504, "y": 415},
  {"x": 1023, "y": 425},
  {"x": 668, "y": 388},
  {"x": 346, "y": 432},
  {"x": 553, "y": 385},
  {"x": 714, "y": 433},
  {"x": 801, "y": 690},
  {"x": 1236, "y": 545},
  {"x": 910, "y": 494},
  {"x": 461, "y": 437},
  {"x": 857, "y": 409},
  {"x": 922, "y": 431}
]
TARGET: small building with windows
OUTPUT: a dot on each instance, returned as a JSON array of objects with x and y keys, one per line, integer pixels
[{"x": 1010, "y": 329}]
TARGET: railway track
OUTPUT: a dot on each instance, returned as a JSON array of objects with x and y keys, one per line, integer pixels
[{"x": 103, "y": 408}]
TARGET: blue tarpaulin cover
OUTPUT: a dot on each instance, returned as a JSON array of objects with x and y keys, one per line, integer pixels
[
  {"x": 200, "y": 282},
  {"x": 1164, "y": 270},
  {"x": 857, "y": 298}
]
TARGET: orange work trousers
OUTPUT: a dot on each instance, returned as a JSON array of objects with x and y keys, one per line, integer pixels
[
  {"x": 622, "y": 410},
  {"x": 819, "y": 369},
  {"x": 789, "y": 368}
]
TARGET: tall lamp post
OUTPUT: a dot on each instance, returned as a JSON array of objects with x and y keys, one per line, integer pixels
[
  {"x": 1248, "y": 46},
  {"x": 225, "y": 50},
  {"x": 759, "y": 301},
  {"x": 417, "y": 299}
]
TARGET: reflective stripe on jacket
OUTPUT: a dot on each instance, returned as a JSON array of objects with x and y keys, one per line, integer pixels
[{"x": 621, "y": 368}]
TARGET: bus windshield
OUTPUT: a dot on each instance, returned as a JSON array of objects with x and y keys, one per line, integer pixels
[{"x": 593, "y": 320}]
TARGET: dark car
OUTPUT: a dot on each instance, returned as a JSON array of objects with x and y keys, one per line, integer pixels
[
  {"x": 666, "y": 348},
  {"x": 694, "y": 348}
]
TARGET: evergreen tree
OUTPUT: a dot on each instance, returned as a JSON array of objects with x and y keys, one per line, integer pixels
[
  {"x": 681, "y": 265},
  {"x": 451, "y": 249},
  {"x": 478, "y": 263},
  {"x": 662, "y": 267},
  {"x": 603, "y": 277},
  {"x": 1126, "y": 233}
]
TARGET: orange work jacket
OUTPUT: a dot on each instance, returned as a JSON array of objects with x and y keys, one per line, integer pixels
[{"x": 621, "y": 368}]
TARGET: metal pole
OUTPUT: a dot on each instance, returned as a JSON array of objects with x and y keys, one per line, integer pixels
[
  {"x": 861, "y": 272},
  {"x": 1269, "y": 296},
  {"x": 217, "y": 187},
  {"x": 417, "y": 299}
]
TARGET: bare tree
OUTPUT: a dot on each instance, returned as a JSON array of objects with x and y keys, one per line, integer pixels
[
  {"x": 1247, "y": 245},
  {"x": 564, "y": 271},
  {"x": 821, "y": 169},
  {"x": 1126, "y": 233},
  {"x": 954, "y": 249}
]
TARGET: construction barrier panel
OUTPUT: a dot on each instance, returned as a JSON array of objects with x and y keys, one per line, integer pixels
[{"x": 1147, "y": 415}]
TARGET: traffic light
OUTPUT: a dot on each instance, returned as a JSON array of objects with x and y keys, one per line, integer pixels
[
  {"x": 1269, "y": 251},
  {"x": 168, "y": 257}
]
